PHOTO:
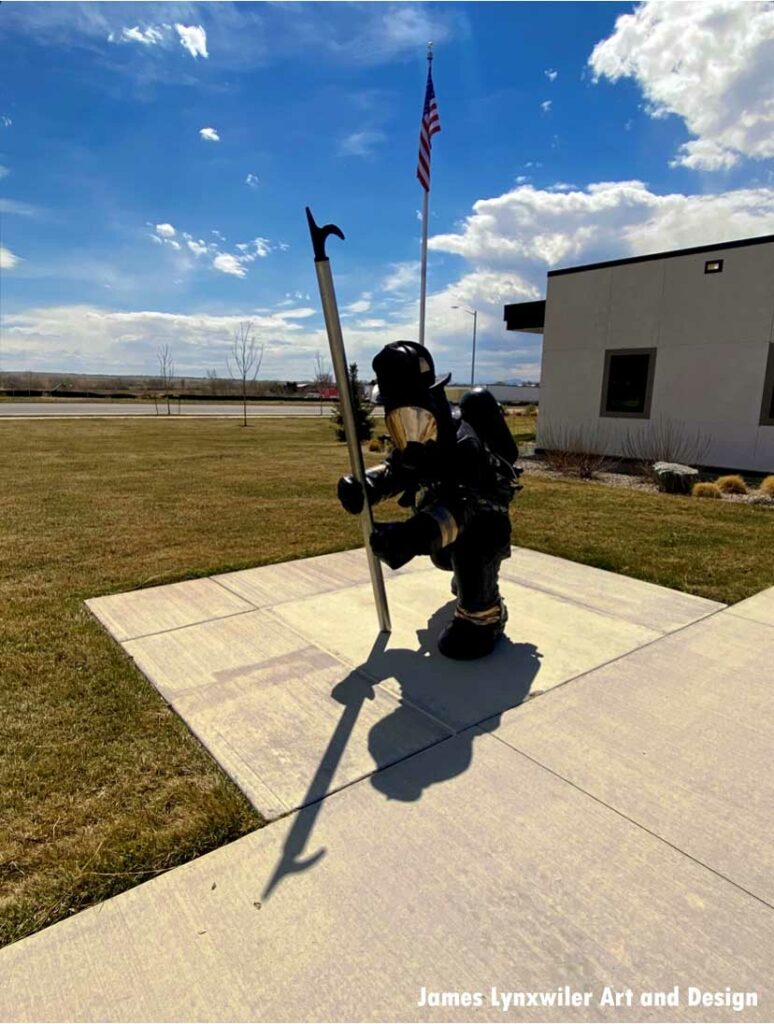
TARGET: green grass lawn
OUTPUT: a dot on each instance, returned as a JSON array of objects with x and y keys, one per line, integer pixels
[{"x": 102, "y": 785}]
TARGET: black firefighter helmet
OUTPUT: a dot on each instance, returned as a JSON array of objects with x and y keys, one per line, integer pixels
[{"x": 416, "y": 410}]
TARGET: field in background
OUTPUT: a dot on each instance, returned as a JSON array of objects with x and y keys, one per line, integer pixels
[{"x": 102, "y": 785}]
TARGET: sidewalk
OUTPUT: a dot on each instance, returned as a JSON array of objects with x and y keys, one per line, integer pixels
[{"x": 590, "y": 807}]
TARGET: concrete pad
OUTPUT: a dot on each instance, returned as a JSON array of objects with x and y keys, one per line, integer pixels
[
  {"x": 287, "y": 721},
  {"x": 643, "y": 603},
  {"x": 268, "y": 584},
  {"x": 679, "y": 738},
  {"x": 759, "y": 608},
  {"x": 550, "y": 640},
  {"x": 157, "y": 609},
  {"x": 504, "y": 876}
]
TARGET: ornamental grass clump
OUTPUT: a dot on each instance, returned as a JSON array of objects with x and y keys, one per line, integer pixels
[
  {"x": 733, "y": 484},
  {"x": 767, "y": 486},
  {"x": 706, "y": 491}
]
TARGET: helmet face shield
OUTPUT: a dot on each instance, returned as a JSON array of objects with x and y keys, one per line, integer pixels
[{"x": 410, "y": 423}]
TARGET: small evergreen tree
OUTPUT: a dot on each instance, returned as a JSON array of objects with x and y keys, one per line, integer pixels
[{"x": 363, "y": 418}]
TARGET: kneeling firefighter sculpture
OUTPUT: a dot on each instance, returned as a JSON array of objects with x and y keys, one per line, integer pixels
[{"x": 458, "y": 476}]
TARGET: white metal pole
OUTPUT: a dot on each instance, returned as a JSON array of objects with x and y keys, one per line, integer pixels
[{"x": 423, "y": 269}]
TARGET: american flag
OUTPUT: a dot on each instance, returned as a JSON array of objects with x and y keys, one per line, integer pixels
[{"x": 430, "y": 125}]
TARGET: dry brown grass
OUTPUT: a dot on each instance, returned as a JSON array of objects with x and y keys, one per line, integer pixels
[
  {"x": 706, "y": 490},
  {"x": 767, "y": 486},
  {"x": 731, "y": 484}
]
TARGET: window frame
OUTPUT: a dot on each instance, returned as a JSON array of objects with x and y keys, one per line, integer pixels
[
  {"x": 645, "y": 414},
  {"x": 767, "y": 402}
]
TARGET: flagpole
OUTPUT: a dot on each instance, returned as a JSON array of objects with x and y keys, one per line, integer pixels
[
  {"x": 425, "y": 214},
  {"x": 423, "y": 271}
]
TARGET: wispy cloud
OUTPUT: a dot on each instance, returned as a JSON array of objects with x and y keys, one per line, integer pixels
[
  {"x": 252, "y": 180},
  {"x": 361, "y": 143},
  {"x": 235, "y": 263},
  {"x": 545, "y": 106},
  {"x": 22, "y": 209},
  {"x": 402, "y": 276},
  {"x": 5, "y": 121},
  {"x": 3, "y": 171},
  {"x": 550, "y": 74},
  {"x": 150, "y": 36},
  {"x": 8, "y": 259},
  {"x": 209, "y": 135}
]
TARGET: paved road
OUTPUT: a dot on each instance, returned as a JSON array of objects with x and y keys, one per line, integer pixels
[{"x": 35, "y": 410}]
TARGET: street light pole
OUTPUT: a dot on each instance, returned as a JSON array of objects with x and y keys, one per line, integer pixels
[{"x": 474, "y": 314}]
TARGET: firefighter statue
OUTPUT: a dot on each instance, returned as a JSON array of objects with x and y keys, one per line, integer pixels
[{"x": 457, "y": 473}]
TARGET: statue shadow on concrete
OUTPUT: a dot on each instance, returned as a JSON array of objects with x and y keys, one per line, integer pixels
[{"x": 457, "y": 694}]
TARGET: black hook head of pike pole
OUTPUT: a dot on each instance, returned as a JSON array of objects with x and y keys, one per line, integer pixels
[{"x": 319, "y": 235}]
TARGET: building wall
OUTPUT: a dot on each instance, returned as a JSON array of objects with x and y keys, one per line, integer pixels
[{"x": 711, "y": 333}]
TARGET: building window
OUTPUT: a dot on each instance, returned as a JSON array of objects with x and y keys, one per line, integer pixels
[
  {"x": 713, "y": 267},
  {"x": 627, "y": 384},
  {"x": 767, "y": 406}
]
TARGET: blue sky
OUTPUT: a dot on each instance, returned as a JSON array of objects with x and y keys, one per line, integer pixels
[{"x": 156, "y": 158}]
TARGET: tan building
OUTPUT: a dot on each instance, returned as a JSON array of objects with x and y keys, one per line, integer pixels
[{"x": 669, "y": 355}]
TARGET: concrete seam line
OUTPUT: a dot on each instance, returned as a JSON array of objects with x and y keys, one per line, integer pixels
[{"x": 632, "y": 821}]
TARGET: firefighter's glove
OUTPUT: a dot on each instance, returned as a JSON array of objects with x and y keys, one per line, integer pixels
[
  {"x": 397, "y": 543},
  {"x": 351, "y": 494}
]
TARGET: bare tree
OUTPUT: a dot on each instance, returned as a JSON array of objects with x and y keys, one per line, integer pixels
[
  {"x": 323, "y": 378},
  {"x": 212, "y": 380},
  {"x": 166, "y": 372},
  {"x": 246, "y": 356}
]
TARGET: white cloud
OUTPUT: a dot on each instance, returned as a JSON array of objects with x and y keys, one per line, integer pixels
[
  {"x": 209, "y": 135},
  {"x": 8, "y": 259},
  {"x": 252, "y": 180},
  {"x": 21, "y": 209},
  {"x": 710, "y": 63},
  {"x": 89, "y": 337},
  {"x": 229, "y": 264},
  {"x": 150, "y": 36},
  {"x": 234, "y": 263},
  {"x": 194, "y": 39},
  {"x": 359, "y": 306},
  {"x": 531, "y": 230},
  {"x": 551, "y": 75},
  {"x": 3, "y": 171},
  {"x": 545, "y": 106},
  {"x": 5, "y": 121},
  {"x": 361, "y": 143},
  {"x": 402, "y": 276}
]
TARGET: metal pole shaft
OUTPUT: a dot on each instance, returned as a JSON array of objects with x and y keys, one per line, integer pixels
[
  {"x": 339, "y": 359},
  {"x": 423, "y": 270}
]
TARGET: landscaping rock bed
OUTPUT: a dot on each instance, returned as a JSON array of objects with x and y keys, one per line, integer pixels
[{"x": 535, "y": 466}]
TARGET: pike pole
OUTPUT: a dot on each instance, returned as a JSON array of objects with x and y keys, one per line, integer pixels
[{"x": 338, "y": 357}]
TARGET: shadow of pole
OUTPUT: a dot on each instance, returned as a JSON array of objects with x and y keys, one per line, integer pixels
[
  {"x": 352, "y": 692},
  {"x": 458, "y": 695}
]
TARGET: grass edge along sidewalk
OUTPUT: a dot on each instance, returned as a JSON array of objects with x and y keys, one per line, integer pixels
[{"x": 103, "y": 786}]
